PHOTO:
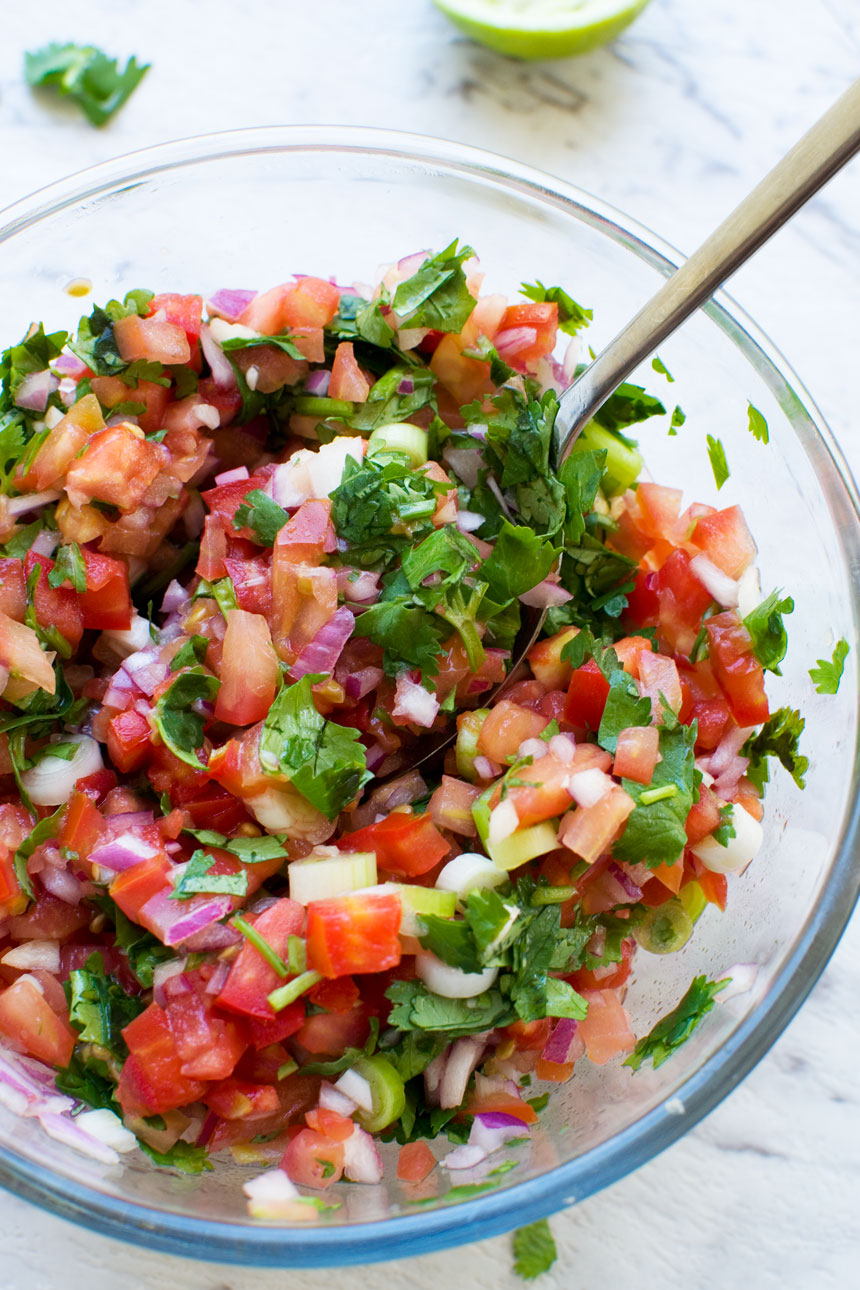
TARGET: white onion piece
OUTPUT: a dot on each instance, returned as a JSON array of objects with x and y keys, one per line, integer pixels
[
  {"x": 221, "y": 330},
  {"x": 332, "y": 1099},
  {"x": 742, "y": 979},
  {"x": 503, "y": 822},
  {"x": 740, "y": 850},
  {"x": 271, "y": 1195},
  {"x": 587, "y": 787},
  {"x": 449, "y": 981},
  {"x": 563, "y": 748},
  {"x": 463, "y": 1056},
  {"x": 749, "y": 591},
  {"x": 413, "y": 703},
  {"x": 534, "y": 748},
  {"x": 362, "y": 1162},
  {"x": 723, "y": 588},
  {"x": 464, "y": 1157},
  {"x": 469, "y": 872},
  {"x": 356, "y": 1088},
  {"x": 469, "y": 521},
  {"x": 34, "y": 954},
  {"x": 132, "y": 640},
  {"x": 107, "y": 1128},
  {"x": 65, "y": 1129},
  {"x": 51, "y": 781}
]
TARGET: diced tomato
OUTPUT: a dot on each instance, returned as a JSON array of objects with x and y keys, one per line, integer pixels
[
  {"x": 168, "y": 774},
  {"x": 106, "y": 603},
  {"x": 356, "y": 933},
  {"x": 281, "y": 1026},
  {"x": 156, "y": 342},
  {"x": 12, "y": 899},
  {"x": 208, "y": 1045},
  {"x": 506, "y": 1103},
  {"x": 643, "y": 602},
  {"x": 331, "y": 1124},
  {"x": 55, "y": 607},
  {"x": 63, "y": 444},
  {"x": 32, "y": 1026},
  {"x": 183, "y": 311},
  {"x": 98, "y": 785},
  {"x": 725, "y": 540},
  {"x": 249, "y": 670},
  {"x": 451, "y": 806},
  {"x": 118, "y": 467},
  {"x": 312, "y": 1160},
  {"x": 546, "y": 662},
  {"x": 336, "y": 995},
  {"x": 703, "y": 817},
  {"x": 152, "y": 1081},
  {"x": 308, "y": 536},
  {"x": 83, "y": 828},
  {"x": 636, "y": 753},
  {"x": 136, "y": 885},
  {"x": 514, "y": 343},
  {"x": 328, "y": 1034},
  {"x": 715, "y": 886},
  {"x": 216, "y": 809},
  {"x": 347, "y": 379},
  {"x": 51, "y": 919},
  {"x": 586, "y": 696},
  {"x": 236, "y": 1099},
  {"x": 405, "y": 845},
  {"x": 415, "y": 1162},
  {"x": 530, "y": 1036},
  {"x": 589, "y": 830},
  {"x": 13, "y": 594},
  {"x": 252, "y": 979},
  {"x": 609, "y": 977},
  {"x": 506, "y": 726},
  {"x": 22, "y": 654},
  {"x": 128, "y": 740},
  {"x": 737, "y": 669},
  {"x": 553, "y": 1072},
  {"x": 605, "y": 1028},
  {"x": 311, "y": 302},
  {"x": 541, "y": 791}
]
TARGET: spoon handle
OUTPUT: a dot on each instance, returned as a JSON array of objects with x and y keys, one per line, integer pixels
[{"x": 823, "y": 150}]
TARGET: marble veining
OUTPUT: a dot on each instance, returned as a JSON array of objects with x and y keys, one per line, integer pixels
[{"x": 673, "y": 124}]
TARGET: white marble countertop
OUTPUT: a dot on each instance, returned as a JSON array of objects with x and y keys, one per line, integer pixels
[{"x": 673, "y": 124}]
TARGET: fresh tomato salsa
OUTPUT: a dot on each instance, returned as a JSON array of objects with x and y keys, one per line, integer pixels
[{"x": 252, "y": 550}]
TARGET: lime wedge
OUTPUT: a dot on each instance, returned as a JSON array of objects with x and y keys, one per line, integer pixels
[{"x": 542, "y": 28}]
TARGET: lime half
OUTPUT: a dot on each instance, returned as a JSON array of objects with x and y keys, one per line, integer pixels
[{"x": 542, "y": 28}]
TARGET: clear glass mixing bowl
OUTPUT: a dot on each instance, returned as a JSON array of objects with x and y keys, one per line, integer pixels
[{"x": 250, "y": 208}]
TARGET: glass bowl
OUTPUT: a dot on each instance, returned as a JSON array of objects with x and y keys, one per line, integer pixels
[{"x": 248, "y": 209}]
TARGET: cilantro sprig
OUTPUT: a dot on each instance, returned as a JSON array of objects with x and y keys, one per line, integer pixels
[
  {"x": 828, "y": 673},
  {"x": 87, "y": 76},
  {"x": 676, "y": 1027}
]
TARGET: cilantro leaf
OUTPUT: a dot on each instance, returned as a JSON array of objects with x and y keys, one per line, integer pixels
[
  {"x": 758, "y": 425},
  {"x": 519, "y": 561},
  {"x": 13, "y": 440},
  {"x": 184, "y": 1156},
  {"x": 778, "y": 737},
  {"x": 44, "y": 830},
  {"x": 827, "y": 675},
  {"x": 517, "y": 450},
  {"x": 436, "y": 295},
  {"x": 86, "y": 75},
  {"x": 654, "y": 831},
  {"x": 94, "y": 343},
  {"x": 679, "y": 417},
  {"x": 191, "y": 652},
  {"x": 175, "y": 719},
  {"x": 416, "y": 1008},
  {"x": 408, "y": 635},
  {"x": 87, "y": 1079},
  {"x": 397, "y": 396},
  {"x": 765, "y": 626},
  {"x": 563, "y": 1001},
  {"x": 196, "y": 880},
  {"x": 451, "y": 941},
  {"x": 381, "y": 506},
  {"x": 325, "y": 762},
  {"x": 571, "y": 316},
  {"x": 676, "y": 1027},
  {"x": 623, "y": 708},
  {"x": 534, "y": 1250},
  {"x": 725, "y": 829},
  {"x": 626, "y": 407},
  {"x": 659, "y": 366},
  {"x": 249, "y": 850},
  {"x": 580, "y": 476},
  {"x": 719, "y": 465},
  {"x": 99, "y": 1008},
  {"x": 283, "y": 342},
  {"x": 69, "y": 568},
  {"x": 32, "y": 354},
  {"x": 262, "y": 515}
]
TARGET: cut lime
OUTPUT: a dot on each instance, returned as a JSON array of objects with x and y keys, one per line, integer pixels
[{"x": 542, "y": 28}]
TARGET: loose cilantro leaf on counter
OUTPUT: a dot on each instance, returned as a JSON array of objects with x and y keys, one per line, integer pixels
[
  {"x": 179, "y": 725},
  {"x": 436, "y": 295},
  {"x": 534, "y": 1250},
  {"x": 262, "y": 515},
  {"x": 654, "y": 831},
  {"x": 827, "y": 675},
  {"x": 69, "y": 568},
  {"x": 86, "y": 75},
  {"x": 778, "y": 737},
  {"x": 32, "y": 354},
  {"x": 196, "y": 880},
  {"x": 324, "y": 761},
  {"x": 719, "y": 465},
  {"x": 99, "y": 1008},
  {"x": 571, "y": 316},
  {"x": 758, "y": 425},
  {"x": 676, "y": 1027},
  {"x": 765, "y": 626},
  {"x": 184, "y": 1156}
]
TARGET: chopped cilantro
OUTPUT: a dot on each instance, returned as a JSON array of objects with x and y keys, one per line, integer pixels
[
  {"x": 676, "y": 1027},
  {"x": 679, "y": 417},
  {"x": 69, "y": 568},
  {"x": 262, "y": 515},
  {"x": 659, "y": 366},
  {"x": 654, "y": 830},
  {"x": 87, "y": 1079},
  {"x": 534, "y": 1250},
  {"x": 32, "y": 354},
  {"x": 725, "y": 829},
  {"x": 436, "y": 295},
  {"x": 519, "y": 561},
  {"x": 827, "y": 675},
  {"x": 325, "y": 762},
  {"x": 765, "y": 626},
  {"x": 87, "y": 76},
  {"x": 719, "y": 465},
  {"x": 252, "y": 850},
  {"x": 175, "y": 718},
  {"x": 191, "y": 652},
  {"x": 778, "y": 737},
  {"x": 397, "y": 396},
  {"x": 408, "y": 635},
  {"x": 624, "y": 708},
  {"x": 95, "y": 344},
  {"x": 196, "y": 880},
  {"x": 99, "y": 1008},
  {"x": 184, "y": 1156},
  {"x": 44, "y": 830},
  {"x": 758, "y": 425},
  {"x": 381, "y": 506}
]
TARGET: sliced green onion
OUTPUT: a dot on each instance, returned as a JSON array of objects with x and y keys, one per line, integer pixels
[
  {"x": 693, "y": 898},
  {"x": 297, "y": 954},
  {"x": 525, "y": 844},
  {"x": 309, "y": 405},
  {"x": 319, "y": 877},
  {"x": 400, "y": 436},
  {"x": 288, "y": 1068},
  {"x": 416, "y": 900},
  {"x": 623, "y": 464},
  {"x": 387, "y": 1091},
  {"x": 466, "y": 748},
  {"x": 286, "y": 994},
  {"x": 664, "y": 929},
  {"x": 260, "y": 944},
  {"x": 657, "y": 794},
  {"x": 552, "y": 895}
]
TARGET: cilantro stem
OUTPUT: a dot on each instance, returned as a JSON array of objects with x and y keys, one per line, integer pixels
[
  {"x": 657, "y": 794},
  {"x": 286, "y": 994},
  {"x": 261, "y": 945}
]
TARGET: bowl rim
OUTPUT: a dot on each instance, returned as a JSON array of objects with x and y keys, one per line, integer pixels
[{"x": 499, "y": 1211}]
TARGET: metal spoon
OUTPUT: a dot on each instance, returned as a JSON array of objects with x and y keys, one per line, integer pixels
[{"x": 822, "y": 151}]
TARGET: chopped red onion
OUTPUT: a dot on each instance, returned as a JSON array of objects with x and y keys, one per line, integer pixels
[
  {"x": 375, "y": 756},
  {"x": 232, "y": 476},
  {"x": 318, "y": 382},
  {"x": 491, "y": 1131},
  {"x": 122, "y": 852},
  {"x": 69, "y": 365},
  {"x": 45, "y": 542},
  {"x": 145, "y": 670},
  {"x": 65, "y": 1129},
  {"x": 406, "y": 386},
  {"x": 222, "y": 369},
  {"x": 64, "y": 885},
  {"x": 362, "y": 1162},
  {"x": 558, "y": 1046},
  {"x": 625, "y": 882},
  {"x": 229, "y": 303},
  {"x": 357, "y": 585},
  {"x": 563, "y": 748},
  {"x": 545, "y": 595},
  {"x": 413, "y": 703},
  {"x": 218, "y": 979},
  {"x": 728, "y": 748},
  {"x": 465, "y": 1157},
  {"x": 514, "y": 340},
  {"x": 321, "y": 654},
  {"x": 361, "y": 683},
  {"x": 174, "y": 925},
  {"x": 125, "y": 821},
  {"x": 486, "y": 768},
  {"x": 220, "y": 936},
  {"x": 433, "y": 1073},
  {"x": 174, "y": 597},
  {"x": 32, "y": 394},
  {"x": 162, "y": 973}
]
